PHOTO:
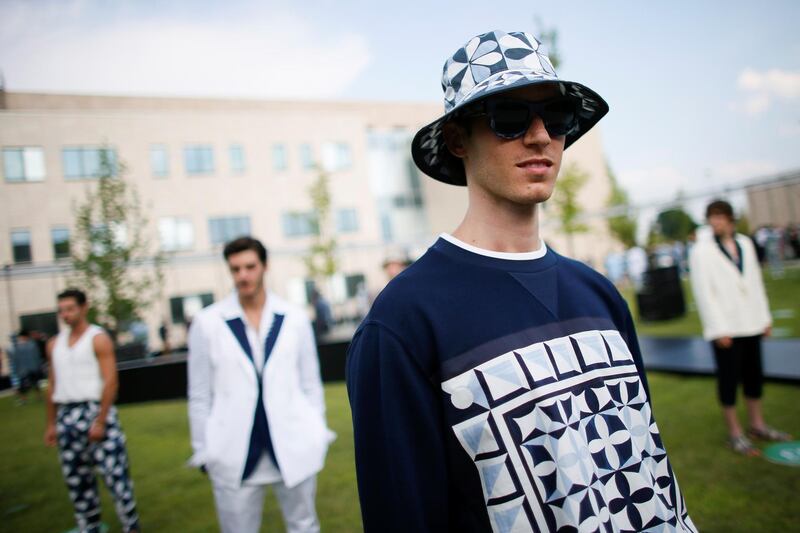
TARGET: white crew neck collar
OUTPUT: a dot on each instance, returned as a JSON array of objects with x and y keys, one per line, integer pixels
[{"x": 513, "y": 256}]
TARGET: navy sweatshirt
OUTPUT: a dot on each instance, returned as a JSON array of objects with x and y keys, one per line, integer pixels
[{"x": 493, "y": 394}]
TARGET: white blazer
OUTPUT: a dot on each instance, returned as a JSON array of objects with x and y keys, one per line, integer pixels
[
  {"x": 223, "y": 391},
  {"x": 730, "y": 303}
]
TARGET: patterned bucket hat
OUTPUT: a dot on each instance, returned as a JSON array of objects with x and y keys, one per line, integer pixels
[{"x": 489, "y": 64}]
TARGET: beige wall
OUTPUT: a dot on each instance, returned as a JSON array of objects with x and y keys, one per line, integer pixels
[
  {"x": 776, "y": 203},
  {"x": 132, "y": 125}
]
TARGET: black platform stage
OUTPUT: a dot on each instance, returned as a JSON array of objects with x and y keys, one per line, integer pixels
[{"x": 164, "y": 377}]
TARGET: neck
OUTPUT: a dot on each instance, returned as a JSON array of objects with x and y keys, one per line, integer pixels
[
  {"x": 79, "y": 327},
  {"x": 498, "y": 225},
  {"x": 254, "y": 302}
]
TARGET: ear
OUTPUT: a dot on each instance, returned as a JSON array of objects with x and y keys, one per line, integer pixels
[{"x": 454, "y": 136}]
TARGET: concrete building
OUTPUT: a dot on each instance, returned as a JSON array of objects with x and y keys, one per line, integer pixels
[
  {"x": 774, "y": 201},
  {"x": 208, "y": 170}
]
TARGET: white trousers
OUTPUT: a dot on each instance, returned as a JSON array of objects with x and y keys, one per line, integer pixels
[{"x": 239, "y": 508}]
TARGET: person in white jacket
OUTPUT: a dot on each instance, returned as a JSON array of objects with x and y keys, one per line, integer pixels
[
  {"x": 730, "y": 297},
  {"x": 256, "y": 404}
]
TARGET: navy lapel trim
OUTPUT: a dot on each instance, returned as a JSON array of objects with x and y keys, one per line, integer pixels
[
  {"x": 272, "y": 337},
  {"x": 237, "y": 327}
]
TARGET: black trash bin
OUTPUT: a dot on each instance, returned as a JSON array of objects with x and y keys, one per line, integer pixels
[{"x": 661, "y": 295}]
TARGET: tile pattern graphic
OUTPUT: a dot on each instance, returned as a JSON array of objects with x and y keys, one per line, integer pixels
[{"x": 564, "y": 438}]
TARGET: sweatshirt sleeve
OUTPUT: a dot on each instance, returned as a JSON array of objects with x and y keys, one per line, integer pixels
[{"x": 399, "y": 441}]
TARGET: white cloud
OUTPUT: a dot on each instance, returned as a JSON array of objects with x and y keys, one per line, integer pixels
[
  {"x": 762, "y": 88},
  {"x": 652, "y": 184},
  {"x": 789, "y": 129},
  {"x": 663, "y": 183},
  {"x": 263, "y": 52}
]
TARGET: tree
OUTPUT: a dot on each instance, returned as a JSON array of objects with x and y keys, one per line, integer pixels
[
  {"x": 621, "y": 225},
  {"x": 675, "y": 224},
  {"x": 549, "y": 37},
  {"x": 320, "y": 259},
  {"x": 109, "y": 241},
  {"x": 565, "y": 198}
]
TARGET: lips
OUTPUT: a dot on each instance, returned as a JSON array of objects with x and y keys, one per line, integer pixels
[
  {"x": 536, "y": 162},
  {"x": 536, "y": 167}
]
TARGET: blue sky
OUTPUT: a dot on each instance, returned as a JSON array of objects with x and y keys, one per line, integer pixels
[{"x": 702, "y": 94}]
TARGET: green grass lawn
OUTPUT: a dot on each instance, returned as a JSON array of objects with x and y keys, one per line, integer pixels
[
  {"x": 783, "y": 295},
  {"x": 724, "y": 492}
]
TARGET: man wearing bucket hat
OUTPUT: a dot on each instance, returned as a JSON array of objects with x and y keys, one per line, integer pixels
[{"x": 496, "y": 385}]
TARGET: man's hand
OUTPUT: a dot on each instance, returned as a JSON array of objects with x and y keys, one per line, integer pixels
[
  {"x": 97, "y": 431},
  {"x": 50, "y": 436},
  {"x": 768, "y": 331},
  {"x": 724, "y": 342}
]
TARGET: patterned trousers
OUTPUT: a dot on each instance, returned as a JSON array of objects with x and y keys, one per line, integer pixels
[{"x": 80, "y": 459}]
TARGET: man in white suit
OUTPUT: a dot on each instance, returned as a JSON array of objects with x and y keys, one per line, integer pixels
[
  {"x": 732, "y": 303},
  {"x": 256, "y": 405}
]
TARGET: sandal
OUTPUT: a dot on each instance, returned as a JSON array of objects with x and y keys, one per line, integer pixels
[
  {"x": 743, "y": 446},
  {"x": 769, "y": 434}
]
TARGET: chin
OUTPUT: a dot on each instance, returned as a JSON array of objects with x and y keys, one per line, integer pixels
[{"x": 535, "y": 194}]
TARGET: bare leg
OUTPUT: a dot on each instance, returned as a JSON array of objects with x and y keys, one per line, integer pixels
[
  {"x": 731, "y": 421},
  {"x": 754, "y": 413}
]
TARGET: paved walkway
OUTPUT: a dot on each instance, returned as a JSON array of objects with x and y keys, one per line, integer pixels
[{"x": 692, "y": 355}]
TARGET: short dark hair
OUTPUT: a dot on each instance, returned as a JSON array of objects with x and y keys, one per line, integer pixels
[
  {"x": 719, "y": 207},
  {"x": 242, "y": 244},
  {"x": 24, "y": 332},
  {"x": 78, "y": 294}
]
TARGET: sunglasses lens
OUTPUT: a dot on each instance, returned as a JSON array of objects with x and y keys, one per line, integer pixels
[
  {"x": 510, "y": 119},
  {"x": 559, "y": 117}
]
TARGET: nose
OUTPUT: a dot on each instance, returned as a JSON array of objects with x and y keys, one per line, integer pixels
[{"x": 536, "y": 133}]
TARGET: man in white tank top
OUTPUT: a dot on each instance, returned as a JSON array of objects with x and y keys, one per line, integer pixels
[{"x": 81, "y": 417}]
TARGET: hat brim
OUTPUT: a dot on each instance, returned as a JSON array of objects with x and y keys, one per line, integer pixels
[{"x": 433, "y": 158}]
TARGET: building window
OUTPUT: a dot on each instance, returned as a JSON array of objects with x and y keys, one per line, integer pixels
[
  {"x": 297, "y": 224},
  {"x": 23, "y": 164},
  {"x": 89, "y": 163},
  {"x": 108, "y": 236},
  {"x": 224, "y": 229},
  {"x": 46, "y": 323},
  {"x": 279, "y": 159},
  {"x": 159, "y": 161},
  {"x": 237, "y": 158},
  {"x": 336, "y": 156},
  {"x": 183, "y": 308},
  {"x": 21, "y": 244},
  {"x": 307, "y": 157},
  {"x": 353, "y": 284},
  {"x": 60, "y": 238},
  {"x": 199, "y": 159},
  {"x": 175, "y": 234},
  {"x": 346, "y": 220}
]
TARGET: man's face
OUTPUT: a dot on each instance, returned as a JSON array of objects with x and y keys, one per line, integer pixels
[
  {"x": 71, "y": 312},
  {"x": 721, "y": 225},
  {"x": 521, "y": 170},
  {"x": 393, "y": 268},
  {"x": 248, "y": 272}
]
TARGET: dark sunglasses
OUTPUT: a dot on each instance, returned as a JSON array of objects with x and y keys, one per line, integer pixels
[{"x": 510, "y": 118}]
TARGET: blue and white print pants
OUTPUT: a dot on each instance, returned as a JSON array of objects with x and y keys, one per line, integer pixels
[{"x": 81, "y": 459}]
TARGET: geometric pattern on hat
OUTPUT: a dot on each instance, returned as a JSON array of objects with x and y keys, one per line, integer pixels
[
  {"x": 488, "y": 64},
  {"x": 579, "y": 450}
]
